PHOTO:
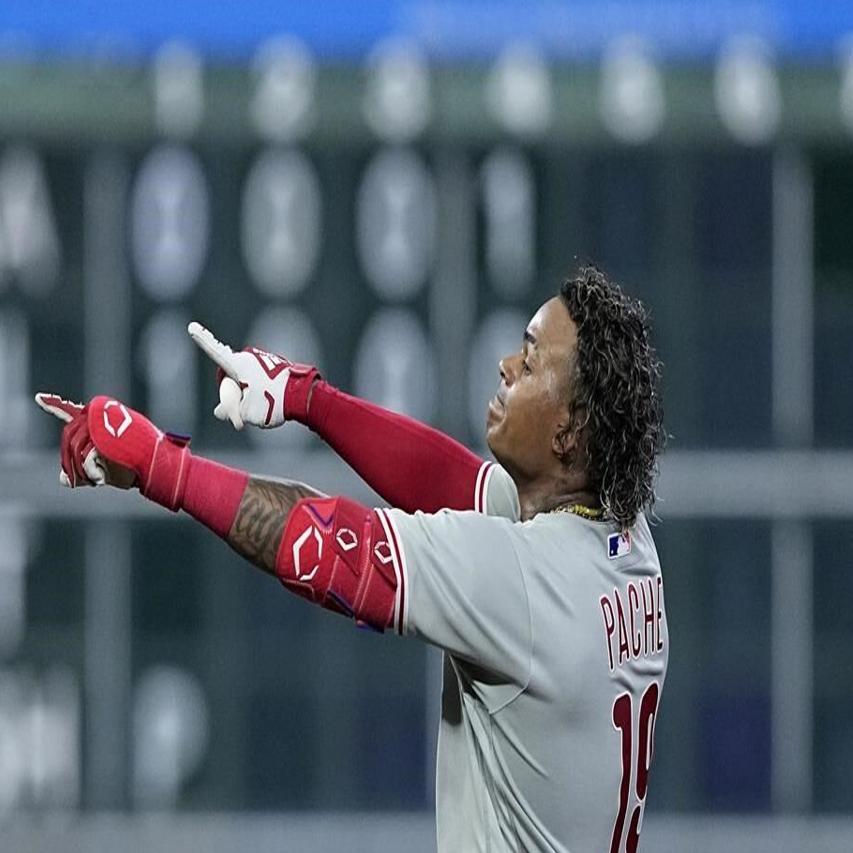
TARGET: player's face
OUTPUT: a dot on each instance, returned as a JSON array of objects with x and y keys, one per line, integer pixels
[{"x": 531, "y": 406}]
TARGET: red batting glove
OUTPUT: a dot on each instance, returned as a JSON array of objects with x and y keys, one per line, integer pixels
[
  {"x": 80, "y": 463},
  {"x": 125, "y": 437},
  {"x": 108, "y": 443}
]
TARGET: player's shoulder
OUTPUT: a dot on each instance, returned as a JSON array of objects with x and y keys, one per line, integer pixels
[
  {"x": 455, "y": 522},
  {"x": 571, "y": 535},
  {"x": 574, "y": 524},
  {"x": 496, "y": 492}
]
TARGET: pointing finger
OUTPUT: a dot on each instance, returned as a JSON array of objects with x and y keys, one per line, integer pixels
[
  {"x": 54, "y": 405},
  {"x": 220, "y": 353}
]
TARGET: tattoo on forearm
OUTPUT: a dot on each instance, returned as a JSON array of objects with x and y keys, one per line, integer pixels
[{"x": 258, "y": 527}]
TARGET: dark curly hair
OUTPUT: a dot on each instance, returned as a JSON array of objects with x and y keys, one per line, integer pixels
[{"x": 617, "y": 401}]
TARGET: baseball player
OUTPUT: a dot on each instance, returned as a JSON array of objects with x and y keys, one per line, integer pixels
[{"x": 537, "y": 576}]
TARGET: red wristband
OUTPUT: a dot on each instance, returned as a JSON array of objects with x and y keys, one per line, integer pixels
[
  {"x": 298, "y": 391},
  {"x": 213, "y": 493}
]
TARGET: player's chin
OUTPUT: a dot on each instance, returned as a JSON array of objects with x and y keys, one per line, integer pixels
[
  {"x": 493, "y": 431},
  {"x": 496, "y": 441},
  {"x": 492, "y": 422}
]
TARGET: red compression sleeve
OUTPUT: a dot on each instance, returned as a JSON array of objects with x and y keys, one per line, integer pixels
[
  {"x": 411, "y": 465},
  {"x": 213, "y": 493}
]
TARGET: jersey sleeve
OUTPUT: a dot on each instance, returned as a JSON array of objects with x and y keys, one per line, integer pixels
[
  {"x": 495, "y": 492},
  {"x": 461, "y": 588},
  {"x": 409, "y": 464}
]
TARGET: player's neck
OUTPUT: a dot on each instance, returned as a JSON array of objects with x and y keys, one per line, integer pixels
[{"x": 547, "y": 493}]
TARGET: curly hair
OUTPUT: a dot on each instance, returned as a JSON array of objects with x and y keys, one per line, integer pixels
[{"x": 617, "y": 401}]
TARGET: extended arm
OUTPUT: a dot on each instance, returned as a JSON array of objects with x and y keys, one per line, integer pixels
[
  {"x": 411, "y": 465},
  {"x": 330, "y": 550},
  {"x": 451, "y": 578}
]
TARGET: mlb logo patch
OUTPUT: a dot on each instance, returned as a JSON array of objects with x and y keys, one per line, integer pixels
[{"x": 618, "y": 544}]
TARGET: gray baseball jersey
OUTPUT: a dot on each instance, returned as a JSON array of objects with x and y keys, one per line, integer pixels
[{"x": 556, "y": 649}]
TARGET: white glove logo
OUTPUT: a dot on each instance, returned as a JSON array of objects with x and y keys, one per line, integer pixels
[
  {"x": 298, "y": 545},
  {"x": 272, "y": 363},
  {"x": 127, "y": 420}
]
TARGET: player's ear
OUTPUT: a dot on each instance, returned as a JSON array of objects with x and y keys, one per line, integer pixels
[
  {"x": 568, "y": 438},
  {"x": 564, "y": 443}
]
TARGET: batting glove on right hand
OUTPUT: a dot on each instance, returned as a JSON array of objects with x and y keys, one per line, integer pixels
[
  {"x": 80, "y": 464},
  {"x": 255, "y": 386}
]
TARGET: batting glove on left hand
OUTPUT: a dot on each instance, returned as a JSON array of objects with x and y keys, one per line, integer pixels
[{"x": 255, "y": 386}]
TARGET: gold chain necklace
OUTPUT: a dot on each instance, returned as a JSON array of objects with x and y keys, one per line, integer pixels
[{"x": 591, "y": 513}]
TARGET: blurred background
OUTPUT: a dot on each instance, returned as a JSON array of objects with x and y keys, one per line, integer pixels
[{"x": 389, "y": 189}]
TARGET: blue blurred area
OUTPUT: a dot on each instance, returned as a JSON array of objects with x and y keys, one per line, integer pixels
[{"x": 446, "y": 29}]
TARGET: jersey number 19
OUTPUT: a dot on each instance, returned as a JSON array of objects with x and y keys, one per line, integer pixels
[{"x": 623, "y": 720}]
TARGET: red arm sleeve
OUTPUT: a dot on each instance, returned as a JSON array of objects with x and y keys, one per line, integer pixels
[{"x": 411, "y": 465}]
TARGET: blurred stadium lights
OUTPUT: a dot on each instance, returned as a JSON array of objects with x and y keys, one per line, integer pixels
[
  {"x": 178, "y": 90},
  {"x": 14, "y": 556},
  {"x": 29, "y": 245},
  {"x": 846, "y": 94},
  {"x": 282, "y": 108},
  {"x": 14, "y": 380},
  {"x": 519, "y": 90},
  {"x": 633, "y": 106},
  {"x": 170, "y": 735},
  {"x": 395, "y": 364},
  {"x": 747, "y": 91},
  {"x": 40, "y": 715},
  {"x": 509, "y": 207},
  {"x": 396, "y": 222},
  {"x": 170, "y": 222},
  {"x": 397, "y": 101},
  {"x": 165, "y": 357},
  {"x": 282, "y": 221}
]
